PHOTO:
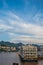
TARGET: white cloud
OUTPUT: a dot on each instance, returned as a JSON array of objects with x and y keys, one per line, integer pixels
[
  {"x": 12, "y": 15},
  {"x": 18, "y": 25},
  {"x": 26, "y": 40},
  {"x": 29, "y": 28},
  {"x": 38, "y": 18},
  {"x": 5, "y": 27}
]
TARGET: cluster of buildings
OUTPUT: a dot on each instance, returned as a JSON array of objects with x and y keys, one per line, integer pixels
[
  {"x": 7, "y": 48},
  {"x": 26, "y": 51}
]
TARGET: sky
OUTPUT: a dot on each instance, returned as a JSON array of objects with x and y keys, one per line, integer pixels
[{"x": 21, "y": 21}]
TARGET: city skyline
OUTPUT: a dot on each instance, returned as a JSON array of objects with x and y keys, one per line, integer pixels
[{"x": 21, "y": 20}]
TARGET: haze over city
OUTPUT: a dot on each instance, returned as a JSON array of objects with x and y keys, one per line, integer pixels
[{"x": 21, "y": 21}]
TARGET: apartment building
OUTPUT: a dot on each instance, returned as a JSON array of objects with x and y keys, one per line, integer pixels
[{"x": 29, "y": 52}]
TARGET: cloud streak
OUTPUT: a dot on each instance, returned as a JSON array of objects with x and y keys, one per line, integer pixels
[{"x": 20, "y": 31}]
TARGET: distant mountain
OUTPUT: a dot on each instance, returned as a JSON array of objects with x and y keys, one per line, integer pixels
[
  {"x": 3, "y": 43},
  {"x": 19, "y": 44}
]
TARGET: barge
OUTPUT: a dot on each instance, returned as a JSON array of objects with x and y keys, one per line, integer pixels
[{"x": 28, "y": 53}]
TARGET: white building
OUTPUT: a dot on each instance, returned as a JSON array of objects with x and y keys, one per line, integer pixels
[{"x": 29, "y": 52}]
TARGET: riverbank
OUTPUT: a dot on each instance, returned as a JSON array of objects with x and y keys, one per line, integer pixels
[
  {"x": 40, "y": 58},
  {"x": 40, "y": 62}
]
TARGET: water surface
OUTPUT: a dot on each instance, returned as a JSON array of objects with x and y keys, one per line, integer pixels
[{"x": 9, "y": 58}]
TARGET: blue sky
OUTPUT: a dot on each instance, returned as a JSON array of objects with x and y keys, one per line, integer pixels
[{"x": 21, "y": 21}]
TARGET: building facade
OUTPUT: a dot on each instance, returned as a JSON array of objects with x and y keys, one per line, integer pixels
[{"x": 29, "y": 52}]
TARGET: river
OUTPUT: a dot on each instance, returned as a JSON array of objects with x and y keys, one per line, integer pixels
[{"x": 8, "y": 58}]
